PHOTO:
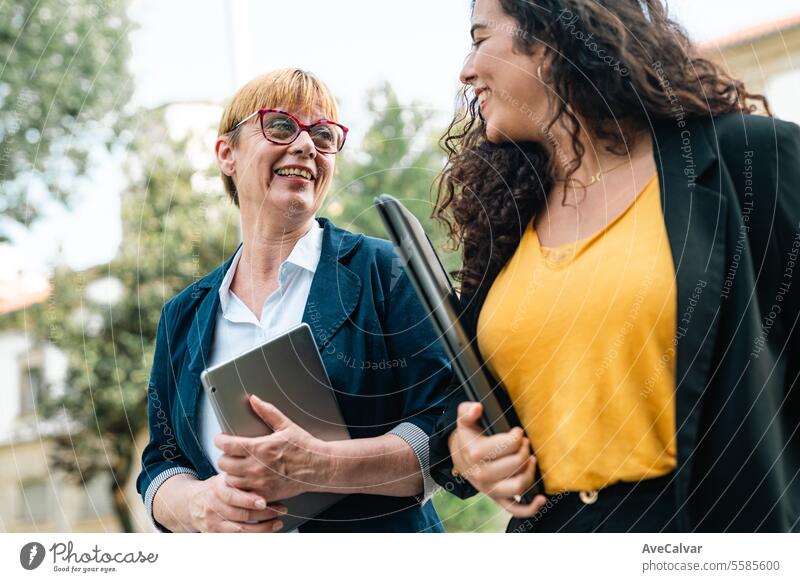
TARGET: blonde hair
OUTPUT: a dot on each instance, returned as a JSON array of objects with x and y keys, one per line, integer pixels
[{"x": 302, "y": 92}]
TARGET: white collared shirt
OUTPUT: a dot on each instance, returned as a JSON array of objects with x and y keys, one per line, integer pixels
[{"x": 238, "y": 330}]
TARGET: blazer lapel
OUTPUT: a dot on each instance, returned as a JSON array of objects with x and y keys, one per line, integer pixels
[
  {"x": 198, "y": 341},
  {"x": 335, "y": 290},
  {"x": 694, "y": 216}
]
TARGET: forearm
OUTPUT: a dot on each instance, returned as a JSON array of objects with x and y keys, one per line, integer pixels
[
  {"x": 171, "y": 507},
  {"x": 384, "y": 465}
]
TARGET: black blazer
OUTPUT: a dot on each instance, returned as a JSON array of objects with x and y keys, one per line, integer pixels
[{"x": 730, "y": 190}]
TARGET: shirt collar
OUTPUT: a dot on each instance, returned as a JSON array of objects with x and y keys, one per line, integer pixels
[{"x": 305, "y": 254}]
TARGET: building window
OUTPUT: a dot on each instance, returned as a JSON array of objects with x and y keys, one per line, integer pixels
[
  {"x": 32, "y": 387},
  {"x": 33, "y": 505}
]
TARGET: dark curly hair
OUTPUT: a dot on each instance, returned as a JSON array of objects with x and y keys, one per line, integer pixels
[{"x": 488, "y": 193}]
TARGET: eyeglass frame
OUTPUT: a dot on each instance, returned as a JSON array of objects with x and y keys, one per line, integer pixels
[{"x": 303, "y": 127}]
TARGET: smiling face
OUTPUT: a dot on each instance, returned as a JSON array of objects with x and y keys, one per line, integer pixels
[
  {"x": 290, "y": 180},
  {"x": 513, "y": 100}
]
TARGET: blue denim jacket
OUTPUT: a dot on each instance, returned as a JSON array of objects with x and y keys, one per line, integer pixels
[{"x": 381, "y": 354}]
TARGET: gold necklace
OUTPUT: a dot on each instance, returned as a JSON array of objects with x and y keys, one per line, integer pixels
[
  {"x": 595, "y": 177},
  {"x": 594, "y": 180}
]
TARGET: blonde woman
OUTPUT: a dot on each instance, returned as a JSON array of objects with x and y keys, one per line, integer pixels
[{"x": 277, "y": 147}]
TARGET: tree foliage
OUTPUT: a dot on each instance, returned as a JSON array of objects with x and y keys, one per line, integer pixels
[
  {"x": 175, "y": 230},
  {"x": 399, "y": 156},
  {"x": 63, "y": 87}
]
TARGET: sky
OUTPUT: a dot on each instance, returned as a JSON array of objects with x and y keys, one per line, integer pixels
[{"x": 184, "y": 51}]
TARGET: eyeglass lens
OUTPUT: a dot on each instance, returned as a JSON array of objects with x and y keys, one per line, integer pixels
[{"x": 282, "y": 129}]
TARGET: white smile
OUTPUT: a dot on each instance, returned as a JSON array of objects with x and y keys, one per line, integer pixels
[{"x": 294, "y": 173}]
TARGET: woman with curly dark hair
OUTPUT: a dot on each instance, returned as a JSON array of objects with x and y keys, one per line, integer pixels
[{"x": 630, "y": 232}]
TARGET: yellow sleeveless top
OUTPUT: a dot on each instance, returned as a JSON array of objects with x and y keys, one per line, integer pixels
[{"x": 583, "y": 336}]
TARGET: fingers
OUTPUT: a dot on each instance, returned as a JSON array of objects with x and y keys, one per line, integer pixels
[
  {"x": 234, "y": 497},
  {"x": 269, "y": 413},
  {"x": 225, "y": 509},
  {"x": 469, "y": 414},
  {"x": 520, "y": 510},
  {"x": 234, "y": 446},
  {"x": 235, "y": 505},
  {"x": 516, "y": 485},
  {"x": 224, "y": 512},
  {"x": 237, "y": 482},
  {"x": 504, "y": 467},
  {"x": 235, "y": 466},
  {"x": 483, "y": 449},
  {"x": 235, "y": 514},
  {"x": 270, "y": 526},
  {"x": 273, "y": 511},
  {"x": 270, "y": 481}
]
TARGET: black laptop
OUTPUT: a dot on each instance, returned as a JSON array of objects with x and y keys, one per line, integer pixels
[{"x": 434, "y": 289}]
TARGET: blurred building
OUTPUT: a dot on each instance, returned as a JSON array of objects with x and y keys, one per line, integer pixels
[
  {"x": 767, "y": 58},
  {"x": 34, "y": 496}
]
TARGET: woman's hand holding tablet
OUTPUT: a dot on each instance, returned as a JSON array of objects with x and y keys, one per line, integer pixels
[
  {"x": 500, "y": 465},
  {"x": 215, "y": 506},
  {"x": 287, "y": 462}
]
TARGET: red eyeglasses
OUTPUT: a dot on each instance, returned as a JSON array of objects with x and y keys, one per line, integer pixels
[{"x": 282, "y": 128}]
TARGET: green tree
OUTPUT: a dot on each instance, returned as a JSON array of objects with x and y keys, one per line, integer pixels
[
  {"x": 176, "y": 228},
  {"x": 62, "y": 89},
  {"x": 400, "y": 156}
]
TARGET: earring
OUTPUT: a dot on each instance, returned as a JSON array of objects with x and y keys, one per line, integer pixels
[{"x": 539, "y": 72}]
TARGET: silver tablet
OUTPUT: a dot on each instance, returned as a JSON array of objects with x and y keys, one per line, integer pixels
[{"x": 286, "y": 371}]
